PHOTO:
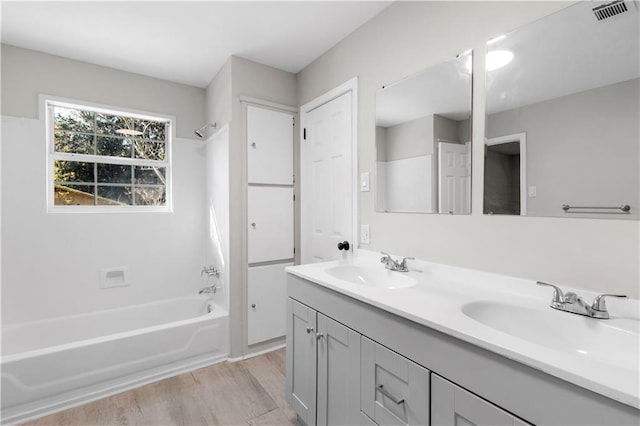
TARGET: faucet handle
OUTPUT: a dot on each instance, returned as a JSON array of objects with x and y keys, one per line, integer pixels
[
  {"x": 384, "y": 257},
  {"x": 404, "y": 261},
  {"x": 599, "y": 302},
  {"x": 558, "y": 296}
]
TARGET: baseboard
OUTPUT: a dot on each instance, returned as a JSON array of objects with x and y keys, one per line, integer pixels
[
  {"x": 37, "y": 409},
  {"x": 258, "y": 353}
]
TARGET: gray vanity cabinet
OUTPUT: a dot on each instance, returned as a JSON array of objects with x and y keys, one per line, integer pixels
[
  {"x": 301, "y": 360},
  {"x": 453, "y": 406},
  {"x": 338, "y": 373},
  {"x": 393, "y": 389},
  {"x": 323, "y": 368},
  {"x": 360, "y": 347}
]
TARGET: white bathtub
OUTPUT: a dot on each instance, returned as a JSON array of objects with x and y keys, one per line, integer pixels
[{"x": 57, "y": 363}]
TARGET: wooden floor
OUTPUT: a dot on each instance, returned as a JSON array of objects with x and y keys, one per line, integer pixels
[{"x": 249, "y": 392}]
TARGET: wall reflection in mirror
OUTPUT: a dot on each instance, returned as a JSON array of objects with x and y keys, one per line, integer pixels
[
  {"x": 563, "y": 115},
  {"x": 423, "y": 133}
]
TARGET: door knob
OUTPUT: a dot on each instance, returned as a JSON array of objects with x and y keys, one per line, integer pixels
[{"x": 343, "y": 245}]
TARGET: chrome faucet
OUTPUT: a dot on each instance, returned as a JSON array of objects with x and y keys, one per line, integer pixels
[
  {"x": 210, "y": 271},
  {"x": 571, "y": 302},
  {"x": 394, "y": 265}
]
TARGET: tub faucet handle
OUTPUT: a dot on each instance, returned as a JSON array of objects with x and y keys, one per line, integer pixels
[{"x": 210, "y": 271}]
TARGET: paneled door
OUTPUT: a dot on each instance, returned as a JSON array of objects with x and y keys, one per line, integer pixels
[
  {"x": 327, "y": 180},
  {"x": 454, "y": 181}
]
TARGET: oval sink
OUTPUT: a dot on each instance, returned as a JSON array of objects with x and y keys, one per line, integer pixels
[
  {"x": 370, "y": 276},
  {"x": 600, "y": 340}
]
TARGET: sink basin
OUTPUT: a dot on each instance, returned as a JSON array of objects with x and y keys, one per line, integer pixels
[
  {"x": 371, "y": 276},
  {"x": 601, "y": 340}
]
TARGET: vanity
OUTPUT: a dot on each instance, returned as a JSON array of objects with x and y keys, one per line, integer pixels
[{"x": 443, "y": 345}]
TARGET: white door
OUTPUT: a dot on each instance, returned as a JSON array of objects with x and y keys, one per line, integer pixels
[
  {"x": 270, "y": 223},
  {"x": 270, "y": 146},
  {"x": 454, "y": 178},
  {"x": 326, "y": 181},
  {"x": 266, "y": 295}
]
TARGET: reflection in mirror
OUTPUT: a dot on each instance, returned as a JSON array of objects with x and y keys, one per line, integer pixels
[
  {"x": 423, "y": 133},
  {"x": 563, "y": 130}
]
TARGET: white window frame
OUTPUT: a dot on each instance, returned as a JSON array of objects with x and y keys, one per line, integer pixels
[{"x": 46, "y": 110}]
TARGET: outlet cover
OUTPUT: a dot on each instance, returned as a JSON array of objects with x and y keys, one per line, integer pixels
[{"x": 365, "y": 237}]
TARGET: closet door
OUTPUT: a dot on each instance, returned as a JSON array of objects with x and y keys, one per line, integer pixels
[
  {"x": 266, "y": 296},
  {"x": 270, "y": 146},
  {"x": 270, "y": 227}
]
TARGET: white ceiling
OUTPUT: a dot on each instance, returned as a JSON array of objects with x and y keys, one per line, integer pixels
[{"x": 185, "y": 42}]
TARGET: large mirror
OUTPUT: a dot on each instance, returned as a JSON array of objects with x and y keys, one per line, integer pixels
[
  {"x": 563, "y": 130},
  {"x": 423, "y": 133}
]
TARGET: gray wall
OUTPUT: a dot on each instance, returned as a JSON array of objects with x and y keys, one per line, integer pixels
[
  {"x": 51, "y": 261},
  {"x": 409, "y": 139},
  {"x": 574, "y": 154},
  {"x": 445, "y": 128},
  {"x": 241, "y": 77},
  {"x": 409, "y": 36},
  {"x": 27, "y": 74}
]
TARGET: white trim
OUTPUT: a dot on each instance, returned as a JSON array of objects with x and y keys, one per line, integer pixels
[
  {"x": 255, "y": 354},
  {"x": 348, "y": 86},
  {"x": 521, "y": 138},
  {"x": 262, "y": 102},
  {"x": 46, "y": 114}
]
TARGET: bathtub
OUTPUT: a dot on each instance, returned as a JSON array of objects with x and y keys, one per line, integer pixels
[{"x": 58, "y": 363}]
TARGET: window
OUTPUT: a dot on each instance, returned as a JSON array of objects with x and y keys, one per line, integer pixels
[{"x": 107, "y": 160}]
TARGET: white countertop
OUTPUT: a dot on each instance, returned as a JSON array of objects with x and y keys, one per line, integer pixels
[{"x": 441, "y": 293}]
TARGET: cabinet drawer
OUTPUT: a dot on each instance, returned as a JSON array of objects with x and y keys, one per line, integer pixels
[
  {"x": 453, "y": 406},
  {"x": 393, "y": 390}
]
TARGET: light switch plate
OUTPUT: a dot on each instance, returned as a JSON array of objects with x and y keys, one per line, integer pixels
[
  {"x": 531, "y": 191},
  {"x": 365, "y": 238},
  {"x": 364, "y": 182}
]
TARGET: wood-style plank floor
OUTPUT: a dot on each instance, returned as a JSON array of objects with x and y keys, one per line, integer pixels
[{"x": 249, "y": 392}]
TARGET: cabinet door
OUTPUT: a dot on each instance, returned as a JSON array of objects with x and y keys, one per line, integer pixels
[
  {"x": 270, "y": 150},
  {"x": 266, "y": 297},
  {"x": 394, "y": 390},
  {"x": 270, "y": 224},
  {"x": 451, "y": 405},
  {"x": 301, "y": 360},
  {"x": 338, "y": 373}
]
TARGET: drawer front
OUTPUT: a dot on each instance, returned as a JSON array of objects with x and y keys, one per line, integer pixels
[
  {"x": 393, "y": 390},
  {"x": 454, "y": 406}
]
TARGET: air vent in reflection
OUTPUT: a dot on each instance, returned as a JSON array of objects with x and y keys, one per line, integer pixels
[{"x": 610, "y": 10}]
